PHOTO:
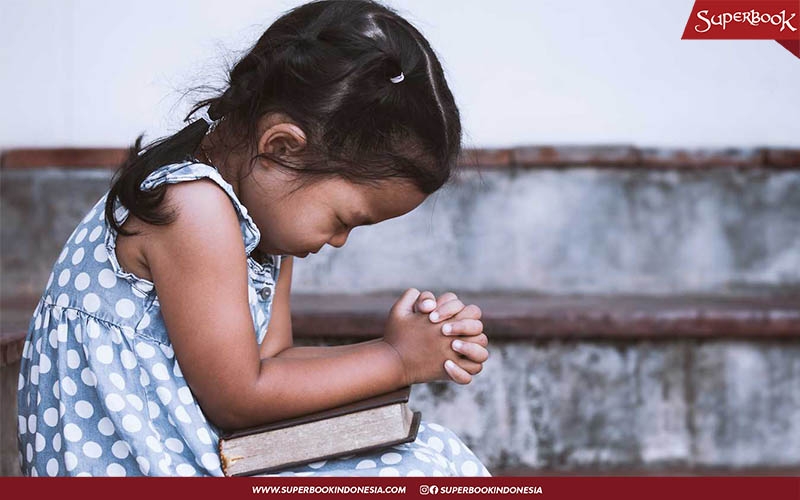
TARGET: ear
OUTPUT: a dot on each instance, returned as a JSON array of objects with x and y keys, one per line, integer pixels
[{"x": 282, "y": 139}]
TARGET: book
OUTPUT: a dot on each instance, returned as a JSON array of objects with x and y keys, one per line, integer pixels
[{"x": 380, "y": 421}]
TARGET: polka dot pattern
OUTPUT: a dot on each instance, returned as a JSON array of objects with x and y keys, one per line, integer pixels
[{"x": 100, "y": 390}]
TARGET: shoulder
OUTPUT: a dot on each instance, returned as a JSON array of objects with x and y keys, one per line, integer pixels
[{"x": 204, "y": 217}]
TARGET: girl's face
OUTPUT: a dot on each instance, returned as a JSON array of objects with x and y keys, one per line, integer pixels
[{"x": 323, "y": 213}]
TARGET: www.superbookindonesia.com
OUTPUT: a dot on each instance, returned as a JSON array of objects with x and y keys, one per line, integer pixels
[{"x": 753, "y": 17}]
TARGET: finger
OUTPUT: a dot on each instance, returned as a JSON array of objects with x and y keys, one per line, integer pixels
[
  {"x": 456, "y": 373},
  {"x": 426, "y": 302},
  {"x": 468, "y": 365},
  {"x": 463, "y": 327},
  {"x": 446, "y": 297},
  {"x": 446, "y": 310},
  {"x": 469, "y": 312},
  {"x": 406, "y": 301},
  {"x": 471, "y": 350}
]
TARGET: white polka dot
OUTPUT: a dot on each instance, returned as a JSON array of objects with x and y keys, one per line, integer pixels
[
  {"x": 203, "y": 436},
  {"x": 35, "y": 375},
  {"x": 105, "y": 426},
  {"x": 144, "y": 465},
  {"x": 120, "y": 449},
  {"x": 63, "y": 254},
  {"x": 81, "y": 235},
  {"x": 29, "y": 452},
  {"x": 20, "y": 382},
  {"x": 88, "y": 377},
  {"x": 95, "y": 233},
  {"x": 144, "y": 350},
  {"x": 116, "y": 337},
  {"x": 84, "y": 409},
  {"x": 101, "y": 253},
  {"x": 57, "y": 441},
  {"x": 82, "y": 282},
  {"x": 180, "y": 412},
  {"x": 77, "y": 257},
  {"x": 366, "y": 464},
  {"x": 63, "y": 278},
  {"x": 117, "y": 380},
  {"x": 144, "y": 323},
  {"x": 93, "y": 329},
  {"x": 155, "y": 410},
  {"x": 72, "y": 315},
  {"x": 317, "y": 465},
  {"x": 115, "y": 470},
  {"x": 105, "y": 354},
  {"x": 44, "y": 363},
  {"x": 185, "y": 470},
  {"x": 89, "y": 215},
  {"x": 415, "y": 472},
  {"x": 455, "y": 446},
  {"x": 210, "y": 461},
  {"x": 49, "y": 281},
  {"x": 421, "y": 456},
  {"x": 389, "y": 471},
  {"x": 164, "y": 395},
  {"x": 174, "y": 444},
  {"x": 78, "y": 334},
  {"x": 57, "y": 389},
  {"x": 469, "y": 468},
  {"x": 39, "y": 440},
  {"x": 153, "y": 444},
  {"x": 167, "y": 350},
  {"x": 37, "y": 322},
  {"x": 62, "y": 332},
  {"x": 160, "y": 371},
  {"x": 91, "y": 302},
  {"x": 185, "y": 395},
  {"x": 125, "y": 308},
  {"x": 131, "y": 423},
  {"x": 164, "y": 466},
  {"x": 73, "y": 360},
  {"x": 107, "y": 278},
  {"x": 70, "y": 460},
  {"x": 436, "y": 443},
  {"x": 176, "y": 369},
  {"x": 128, "y": 359},
  {"x": 62, "y": 300},
  {"x": 72, "y": 432},
  {"x": 52, "y": 467},
  {"x": 114, "y": 402},
  {"x": 391, "y": 458},
  {"x": 92, "y": 449},
  {"x": 135, "y": 401},
  {"x": 69, "y": 386},
  {"x": 51, "y": 416}
]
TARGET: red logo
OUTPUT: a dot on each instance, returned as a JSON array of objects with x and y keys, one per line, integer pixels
[{"x": 777, "y": 20}]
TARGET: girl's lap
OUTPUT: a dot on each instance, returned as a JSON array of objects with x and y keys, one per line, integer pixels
[{"x": 436, "y": 451}]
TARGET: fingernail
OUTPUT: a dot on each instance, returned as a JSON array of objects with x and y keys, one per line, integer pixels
[
  {"x": 434, "y": 316},
  {"x": 447, "y": 328},
  {"x": 449, "y": 364},
  {"x": 429, "y": 303},
  {"x": 457, "y": 344}
]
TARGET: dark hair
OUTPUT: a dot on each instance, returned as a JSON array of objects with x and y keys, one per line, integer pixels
[{"x": 327, "y": 65}]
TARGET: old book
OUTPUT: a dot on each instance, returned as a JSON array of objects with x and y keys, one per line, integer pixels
[{"x": 372, "y": 423}]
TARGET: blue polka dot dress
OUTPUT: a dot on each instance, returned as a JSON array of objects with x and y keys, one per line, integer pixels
[{"x": 101, "y": 392}]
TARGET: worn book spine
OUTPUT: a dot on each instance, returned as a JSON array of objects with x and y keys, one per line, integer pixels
[
  {"x": 397, "y": 396},
  {"x": 412, "y": 435}
]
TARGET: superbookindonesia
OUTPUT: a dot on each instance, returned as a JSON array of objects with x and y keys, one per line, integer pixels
[{"x": 753, "y": 17}]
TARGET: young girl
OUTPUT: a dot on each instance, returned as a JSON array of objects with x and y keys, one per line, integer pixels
[{"x": 151, "y": 334}]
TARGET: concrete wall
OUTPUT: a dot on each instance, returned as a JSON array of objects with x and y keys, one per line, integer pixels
[{"x": 553, "y": 231}]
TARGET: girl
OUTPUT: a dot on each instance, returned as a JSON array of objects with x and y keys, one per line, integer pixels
[{"x": 142, "y": 346}]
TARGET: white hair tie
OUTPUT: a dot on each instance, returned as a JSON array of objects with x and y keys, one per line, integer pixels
[{"x": 397, "y": 79}]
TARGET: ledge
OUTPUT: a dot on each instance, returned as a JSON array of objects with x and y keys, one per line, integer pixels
[
  {"x": 535, "y": 156},
  {"x": 518, "y": 317}
]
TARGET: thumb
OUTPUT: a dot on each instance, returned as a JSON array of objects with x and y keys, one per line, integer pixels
[{"x": 405, "y": 304}]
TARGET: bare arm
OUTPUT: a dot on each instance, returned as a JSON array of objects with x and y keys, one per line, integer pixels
[
  {"x": 314, "y": 351},
  {"x": 199, "y": 268}
]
